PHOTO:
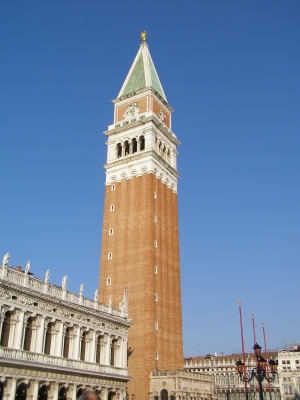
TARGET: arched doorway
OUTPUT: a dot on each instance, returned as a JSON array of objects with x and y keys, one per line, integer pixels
[
  {"x": 110, "y": 395},
  {"x": 164, "y": 394},
  {"x": 21, "y": 392},
  {"x": 62, "y": 394},
  {"x": 43, "y": 393},
  {"x": 79, "y": 393}
]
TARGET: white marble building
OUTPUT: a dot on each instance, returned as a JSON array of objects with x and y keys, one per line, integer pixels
[
  {"x": 55, "y": 344},
  {"x": 289, "y": 373},
  {"x": 227, "y": 383}
]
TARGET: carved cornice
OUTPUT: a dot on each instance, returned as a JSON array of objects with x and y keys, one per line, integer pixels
[{"x": 26, "y": 297}]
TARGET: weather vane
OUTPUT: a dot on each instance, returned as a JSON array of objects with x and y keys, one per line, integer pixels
[{"x": 143, "y": 36}]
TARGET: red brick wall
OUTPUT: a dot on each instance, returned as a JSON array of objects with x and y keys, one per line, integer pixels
[{"x": 132, "y": 265}]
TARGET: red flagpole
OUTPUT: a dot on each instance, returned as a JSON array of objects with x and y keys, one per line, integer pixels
[{"x": 242, "y": 337}]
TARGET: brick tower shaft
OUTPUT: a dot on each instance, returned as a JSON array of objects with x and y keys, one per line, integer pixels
[{"x": 140, "y": 240}]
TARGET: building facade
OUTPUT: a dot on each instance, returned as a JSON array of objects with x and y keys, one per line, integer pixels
[
  {"x": 54, "y": 344},
  {"x": 227, "y": 383},
  {"x": 140, "y": 244},
  {"x": 289, "y": 373},
  {"x": 180, "y": 385}
]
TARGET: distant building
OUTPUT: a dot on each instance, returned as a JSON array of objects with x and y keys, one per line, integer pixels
[
  {"x": 227, "y": 383},
  {"x": 55, "y": 344},
  {"x": 179, "y": 385},
  {"x": 289, "y": 373}
]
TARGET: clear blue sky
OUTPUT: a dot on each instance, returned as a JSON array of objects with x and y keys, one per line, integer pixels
[{"x": 230, "y": 69}]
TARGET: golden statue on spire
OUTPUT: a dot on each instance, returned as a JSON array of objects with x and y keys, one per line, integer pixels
[{"x": 143, "y": 36}]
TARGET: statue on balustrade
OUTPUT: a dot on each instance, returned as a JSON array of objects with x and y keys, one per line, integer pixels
[
  {"x": 64, "y": 282},
  {"x": 5, "y": 260}
]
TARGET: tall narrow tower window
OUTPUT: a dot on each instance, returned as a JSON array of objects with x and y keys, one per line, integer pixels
[
  {"x": 134, "y": 145},
  {"x": 108, "y": 281},
  {"x": 112, "y": 207},
  {"x": 156, "y": 356},
  {"x": 109, "y": 256},
  {"x": 156, "y": 325},
  {"x": 142, "y": 143},
  {"x": 119, "y": 150},
  {"x": 155, "y": 243},
  {"x": 113, "y": 187},
  {"x": 155, "y": 196},
  {"x": 111, "y": 231},
  {"x": 155, "y": 218},
  {"x": 156, "y": 297},
  {"x": 155, "y": 270}
]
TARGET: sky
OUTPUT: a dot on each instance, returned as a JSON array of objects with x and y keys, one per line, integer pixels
[{"x": 230, "y": 69}]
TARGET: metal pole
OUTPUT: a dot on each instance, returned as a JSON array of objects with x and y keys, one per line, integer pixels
[
  {"x": 261, "y": 396},
  {"x": 266, "y": 356},
  {"x": 243, "y": 349}
]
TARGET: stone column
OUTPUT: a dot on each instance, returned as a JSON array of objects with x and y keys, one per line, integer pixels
[
  {"x": 60, "y": 338},
  {"x": 124, "y": 351},
  {"x": 92, "y": 350},
  {"x": 13, "y": 387},
  {"x": 35, "y": 391},
  {"x": 138, "y": 144},
  {"x": 39, "y": 347},
  {"x": 54, "y": 390},
  {"x": 130, "y": 147},
  {"x": 104, "y": 394},
  {"x": 77, "y": 344},
  {"x": 107, "y": 352},
  {"x": 73, "y": 390}
]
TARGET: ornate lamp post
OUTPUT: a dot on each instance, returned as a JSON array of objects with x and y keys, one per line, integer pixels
[{"x": 260, "y": 372}]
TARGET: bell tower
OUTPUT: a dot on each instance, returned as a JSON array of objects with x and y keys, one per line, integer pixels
[{"x": 140, "y": 241}]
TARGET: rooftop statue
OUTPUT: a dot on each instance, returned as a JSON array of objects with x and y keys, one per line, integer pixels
[
  {"x": 47, "y": 275},
  {"x": 27, "y": 268},
  {"x": 5, "y": 260},
  {"x": 96, "y": 295},
  {"x": 81, "y": 288},
  {"x": 64, "y": 282},
  {"x": 143, "y": 36}
]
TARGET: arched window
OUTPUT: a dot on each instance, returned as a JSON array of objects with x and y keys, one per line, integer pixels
[
  {"x": 28, "y": 335},
  {"x": 126, "y": 148},
  {"x": 134, "y": 145},
  {"x": 48, "y": 339},
  {"x": 119, "y": 150},
  {"x": 113, "y": 352},
  {"x": 62, "y": 394},
  {"x": 21, "y": 392},
  {"x": 6, "y": 329},
  {"x": 142, "y": 143},
  {"x": 164, "y": 395},
  {"x": 43, "y": 393},
  {"x": 66, "y": 343},
  {"x": 83, "y": 346}
]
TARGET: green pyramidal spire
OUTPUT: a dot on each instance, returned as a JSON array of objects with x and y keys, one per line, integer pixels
[{"x": 142, "y": 74}]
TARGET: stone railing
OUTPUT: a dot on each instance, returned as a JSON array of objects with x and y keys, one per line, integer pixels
[
  {"x": 20, "y": 278},
  {"x": 14, "y": 354}
]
